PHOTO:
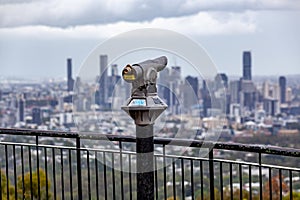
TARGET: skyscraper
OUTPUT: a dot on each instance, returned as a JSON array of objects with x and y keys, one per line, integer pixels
[
  {"x": 175, "y": 75},
  {"x": 249, "y": 94},
  {"x": 21, "y": 106},
  {"x": 206, "y": 99},
  {"x": 193, "y": 82},
  {"x": 164, "y": 85},
  {"x": 247, "y": 65},
  {"x": 221, "y": 81},
  {"x": 176, "y": 72},
  {"x": 112, "y": 81},
  {"x": 190, "y": 92},
  {"x": 69, "y": 75},
  {"x": 103, "y": 89},
  {"x": 114, "y": 70},
  {"x": 221, "y": 91},
  {"x": 36, "y": 116},
  {"x": 282, "y": 85},
  {"x": 234, "y": 90}
]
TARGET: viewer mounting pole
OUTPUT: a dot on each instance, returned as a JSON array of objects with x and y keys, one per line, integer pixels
[{"x": 144, "y": 107}]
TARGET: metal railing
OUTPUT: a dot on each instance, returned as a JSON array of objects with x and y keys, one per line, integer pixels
[{"x": 66, "y": 165}]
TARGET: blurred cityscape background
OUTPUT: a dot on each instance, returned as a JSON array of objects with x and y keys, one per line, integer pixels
[
  {"x": 254, "y": 100},
  {"x": 255, "y": 107}
]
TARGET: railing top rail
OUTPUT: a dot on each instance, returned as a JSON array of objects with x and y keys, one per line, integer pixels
[
  {"x": 34, "y": 132},
  {"x": 256, "y": 148}
]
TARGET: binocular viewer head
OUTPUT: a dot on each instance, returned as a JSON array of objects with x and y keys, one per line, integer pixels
[
  {"x": 144, "y": 106},
  {"x": 144, "y": 73}
]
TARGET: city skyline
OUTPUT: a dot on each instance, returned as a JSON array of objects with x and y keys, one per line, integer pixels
[
  {"x": 174, "y": 61},
  {"x": 237, "y": 98},
  {"x": 59, "y": 73}
]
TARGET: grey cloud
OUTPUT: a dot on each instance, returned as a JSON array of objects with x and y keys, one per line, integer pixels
[
  {"x": 16, "y": 1},
  {"x": 64, "y": 13}
]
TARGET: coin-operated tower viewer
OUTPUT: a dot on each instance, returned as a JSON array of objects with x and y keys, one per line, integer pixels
[{"x": 144, "y": 107}]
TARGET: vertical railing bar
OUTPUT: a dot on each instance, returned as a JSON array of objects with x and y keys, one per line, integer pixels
[
  {"x": 280, "y": 184},
  {"x": 23, "y": 182},
  {"x": 30, "y": 171},
  {"x": 121, "y": 170},
  {"x": 241, "y": 181},
  {"x": 230, "y": 180},
  {"x": 96, "y": 172},
  {"x": 250, "y": 183},
  {"x": 62, "y": 174},
  {"x": 71, "y": 174},
  {"x": 211, "y": 174},
  {"x": 182, "y": 179},
  {"x": 174, "y": 178},
  {"x": 113, "y": 175},
  {"x": 46, "y": 170},
  {"x": 155, "y": 178},
  {"x": 221, "y": 179},
  {"x": 38, "y": 165},
  {"x": 1, "y": 184},
  {"x": 260, "y": 177},
  {"x": 130, "y": 178},
  {"x": 270, "y": 183},
  {"x": 89, "y": 173},
  {"x": 201, "y": 179},
  {"x": 291, "y": 184},
  {"x": 6, "y": 171},
  {"x": 192, "y": 179},
  {"x": 165, "y": 171},
  {"x": 104, "y": 174},
  {"x": 79, "y": 175},
  {"x": 54, "y": 172},
  {"x": 15, "y": 172}
]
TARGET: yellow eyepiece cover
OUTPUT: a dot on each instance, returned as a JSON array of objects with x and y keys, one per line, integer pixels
[{"x": 129, "y": 77}]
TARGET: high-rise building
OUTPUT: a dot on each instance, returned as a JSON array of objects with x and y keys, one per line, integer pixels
[
  {"x": 282, "y": 85},
  {"x": 221, "y": 81},
  {"x": 270, "y": 90},
  {"x": 175, "y": 83},
  {"x": 206, "y": 99},
  {"x": 193, "y": 82},
  {"x": 78, "y": 85},
  {"x": 103, "y": 89},
  {"x": 234, "y": 91},
  {"x": 69, "y": 75},
  {"x": 288, "y": 95},
  {"x": 247, "y": 65},
  {"x": 265, "y": 89},
  {"x": 115, "y": 78},
  {"x": 112, "y": 82},
  {"x": 21, "y": 109},
  {"x": 190, "y": 92},
  {"x": 164, "y": 85},
  {"x": 176, "y": 72},
  {"x": 248, "y": 94},
  {"x": 36, "y": 116},
  {"x": 271, "y": 106},
  {"x": 114, "y": 70}
]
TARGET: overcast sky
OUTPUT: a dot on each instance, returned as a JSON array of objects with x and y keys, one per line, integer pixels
[{"x": 37, "y": 36}]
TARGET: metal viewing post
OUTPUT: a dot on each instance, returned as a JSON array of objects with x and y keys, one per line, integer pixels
[{"x": 144, "y": 107}]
